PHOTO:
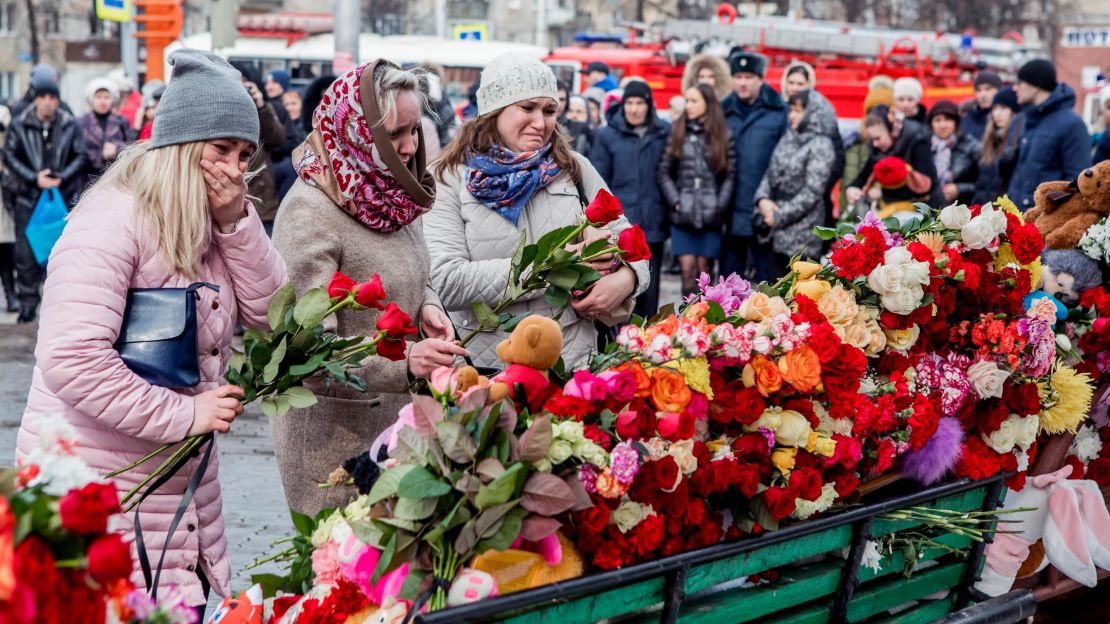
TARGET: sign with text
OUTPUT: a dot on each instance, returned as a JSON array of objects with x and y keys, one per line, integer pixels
[
  {"x": 114, "y": 10},
  {"x": 1085, "y": 37}
]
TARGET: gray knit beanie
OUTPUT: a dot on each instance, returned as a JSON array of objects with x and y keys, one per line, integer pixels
[
  {"x": 512, "y": 78},
  {"x": 204, "y": 100}
]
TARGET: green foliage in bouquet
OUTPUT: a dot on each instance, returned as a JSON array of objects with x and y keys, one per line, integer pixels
[{"x": 466, "y": 484}]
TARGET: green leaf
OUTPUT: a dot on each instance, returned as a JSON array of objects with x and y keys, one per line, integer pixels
[
  {"x": 595, "y": 247},
  {"x": 309, "y": 367},
  {"x": 607, "y": 419},
  {"x": 236, "y": 361},
  {"x": 489, "y": 520},
  {"x": 716, "y": 313},
  {"x": 586, "y": 277},
  {"x": 485, "y": 314},
  {"x": 457, "y": 444},
  {"x": 269, "y": 406},
  {"x": 386, "y": 557},
  {"x": 557, "y": 297},
  {"x": 501, "y": 489},
  {"x": 507, "y": 534},
  {"x": 387, "y": 483},
  {"x": 561, "y": 257},
  {"x": 824, "y": 233},
  {"x": 367, "y": 532},
  {"x": 300, "y": 397},
  {"x": 280, "y": 303},
  {"x": 563, "y": 278},
  {"x": 282, "y": 403},
  {"x": 508, "y": 322},
  {"x": 305, "y": 525},
  {"x": 271, "y": 371},
  {"x": 419, "y": 483},
  {"x": 414, "y": 508},
  {"x": 312, "y": 307},
  {"x": 411, "y": 447}
]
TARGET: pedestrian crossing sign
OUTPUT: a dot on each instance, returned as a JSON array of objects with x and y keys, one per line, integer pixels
[
  {"x": 114, "y": 10},
  {"x": 470, "y": 32}
]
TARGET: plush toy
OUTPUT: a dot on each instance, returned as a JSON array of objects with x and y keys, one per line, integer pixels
[
  {"x": 517, "y": 569},
  {"x": 391, "y": 612},
  {"x": 1070, "y": 520},
  {"x": 1064, "y": 210},
  {"x": 246, "y": 608},
  {"x": 471, "y": 586},
  {"x": 530, "y": 351},
  {"x": 1069, "y": 272}
]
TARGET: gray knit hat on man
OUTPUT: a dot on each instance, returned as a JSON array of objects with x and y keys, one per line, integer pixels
[
  {"x": 512, "y": 78},
  {"x": 204, "y": 100}
]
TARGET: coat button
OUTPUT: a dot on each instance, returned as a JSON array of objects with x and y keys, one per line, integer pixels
[
  {"x": 192, "y": 527},
  {"x": 216, "y": 304},
  {"x": 190, "y": 567},
  {"x": 215, "y": 351}
]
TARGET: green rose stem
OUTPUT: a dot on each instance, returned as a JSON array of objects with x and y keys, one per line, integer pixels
[
  {"x": 444, "y": 566},
  {"x": 189, "y": 445}
]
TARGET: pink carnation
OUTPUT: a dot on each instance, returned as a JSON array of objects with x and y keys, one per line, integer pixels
[
  {"x": 325, "y": 564},
  {"x": 624, "y": 463},
  {"x": 587, "y": 476}
]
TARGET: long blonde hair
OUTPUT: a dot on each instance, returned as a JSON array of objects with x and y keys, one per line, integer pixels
[{"x": 170, "y": 198}]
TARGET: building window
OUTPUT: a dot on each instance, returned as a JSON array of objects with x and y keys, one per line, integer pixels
[
  {"x": 9, "y": 85},
  {"x": 7, "y": 17},
  {"x": 52, "y": 22}
]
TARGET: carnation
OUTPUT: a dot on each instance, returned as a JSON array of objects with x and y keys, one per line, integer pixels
[
  {"x": 1096, "y": 242},
  {"x": 803, "y": 508},
  {"x": 1087, "y": 444}
]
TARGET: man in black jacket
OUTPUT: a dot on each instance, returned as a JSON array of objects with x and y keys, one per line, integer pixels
[{"x": 44, "y": 149}]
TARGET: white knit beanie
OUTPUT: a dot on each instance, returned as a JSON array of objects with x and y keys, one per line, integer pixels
[
  {"x": 512, "y": 78},
  {"x": 102, "y": 84},
  {"x": 908, "y": 87}
]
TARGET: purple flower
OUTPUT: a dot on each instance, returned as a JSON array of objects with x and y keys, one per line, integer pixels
[
  {"x": 769, "y": 435},
  {"x": 624, "y": 463},
  {"x": 729, "y": 292},
  {"x": 142, "y": 605}
]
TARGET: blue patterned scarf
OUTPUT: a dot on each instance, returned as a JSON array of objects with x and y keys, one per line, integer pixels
[{"x": 505, "y": 181}]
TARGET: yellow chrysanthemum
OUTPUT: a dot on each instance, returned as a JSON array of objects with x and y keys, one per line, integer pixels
[
  {"x": 696, "y": 372},
  {"x": 1005, "y": 257},
  {"x": 1009, "y": 207},
  {"x": 1066, "y": 400}
]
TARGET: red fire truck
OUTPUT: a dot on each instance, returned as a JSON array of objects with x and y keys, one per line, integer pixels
[{"x": 845, "y": 56}]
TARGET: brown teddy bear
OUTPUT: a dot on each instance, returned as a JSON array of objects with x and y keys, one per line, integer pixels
[
  {"x": 530, "y": 351},
  {"x": 1064, "y": 210}
]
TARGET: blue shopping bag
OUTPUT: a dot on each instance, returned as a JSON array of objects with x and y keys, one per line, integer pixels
[{"x": 46, "y": 224}]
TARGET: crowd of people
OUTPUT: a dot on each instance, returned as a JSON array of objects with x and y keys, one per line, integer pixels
[{"x": 235, "y": 179}]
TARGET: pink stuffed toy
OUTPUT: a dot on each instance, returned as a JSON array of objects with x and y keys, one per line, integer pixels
[
  {"x": 358, "y": 560},
  {"x": 1071, "y": 520}
]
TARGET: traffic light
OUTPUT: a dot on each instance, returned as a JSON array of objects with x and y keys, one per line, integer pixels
[{"x": 162, "y": 21}]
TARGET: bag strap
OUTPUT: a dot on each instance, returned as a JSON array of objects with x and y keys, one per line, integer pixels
[
  {"x": 581, "y": 189},
  {"x": 195, "y": 286},
  {"x": 194, "y": 482}
]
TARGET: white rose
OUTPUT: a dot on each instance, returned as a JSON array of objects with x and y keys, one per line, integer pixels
[
  {"x": 591, "y": 453},
  {"x": 1063, "y": 342},
  {"x": 987, "y": 379},
  {"x": 885, "y": 278},
  {"x": 955, "y": 217},
  {"x": 996, "y": 218},
  {"x": 323, "y": 530},
  {"x": 897, "y": 255},
  {"x": 915, "y": 273},
  {"x": 978, "y": 234},
  {"x": 559, "y": 451},
  {"x": 903, "y": 300},
  {"x": 570, "y": 430},
  {"x": 769, "y": 419},
  {"x": 628, "y": 515}
]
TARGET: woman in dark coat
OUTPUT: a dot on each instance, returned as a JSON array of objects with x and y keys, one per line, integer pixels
[
  {"x": 1001, "y": 139},
  {"x": 696, "y": 176},
  {"x": 955, "y": 154}
]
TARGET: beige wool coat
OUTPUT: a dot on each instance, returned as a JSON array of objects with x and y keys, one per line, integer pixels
[
  {"x": 317, "y": 238},
  {"x": 472, "y": 246}
]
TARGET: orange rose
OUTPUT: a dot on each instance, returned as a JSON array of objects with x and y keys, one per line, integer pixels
[
  {"x": 643, "y": 381},
  {"x": 669, "y": 391},
  {"x": 667, "y": 327},
  {"x": 801, "y": 368},
  {"x": 768, "y": 379},
  {"x": 696, "y": 310}
]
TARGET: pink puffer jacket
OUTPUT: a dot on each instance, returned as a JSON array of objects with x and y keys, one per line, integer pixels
[{"x": 119, "y": 417}]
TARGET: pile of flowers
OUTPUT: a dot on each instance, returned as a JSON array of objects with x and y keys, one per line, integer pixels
[
  {"x": 909, "y": 349},
  {"x": 60, "y": 557}
]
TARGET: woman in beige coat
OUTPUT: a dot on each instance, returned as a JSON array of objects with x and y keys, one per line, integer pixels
[
  {"x": 508, "y": 171},
  {"x": 710, "y": 70},
  {"x": 356, "y": 207}
]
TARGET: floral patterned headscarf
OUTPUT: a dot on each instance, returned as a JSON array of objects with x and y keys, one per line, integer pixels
[{"x": 355, "y": 165}]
